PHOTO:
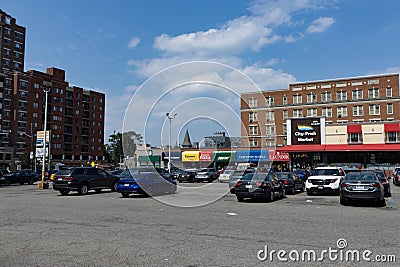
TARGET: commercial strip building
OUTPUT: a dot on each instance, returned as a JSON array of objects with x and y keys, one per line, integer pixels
[
  {"x": 75, "y": 116},
  {"x": 342, "y": 121}
]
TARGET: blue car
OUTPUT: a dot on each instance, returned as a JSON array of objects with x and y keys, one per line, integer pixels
[{"x": 146, "y": 183}]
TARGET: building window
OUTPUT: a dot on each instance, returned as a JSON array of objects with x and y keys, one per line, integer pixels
[
  {"x": 18, "y": 45},
  {"x": 6, "y": 51},
  {"x": 297, "y": 113},
  {"x": 389, "y": 108},
  {"x": 388, "y": 91},
  {"x": 284, "y": 129},
  {"x": 357, "y": 94},
  {"x": 374, "y": 109},
  {"x": 341, "y": 96},
  {"x": 311, "y": 98},
  {"x": 252, "y": 102},
  {"x": 252, "y": 116},
  {"x": 253, "y": 142},
  {"x": 327, "y": 112},
  {"x": 297, "y": 99},
  {"x": 7, "y": 41},
  {"x": 36, "y": 105},
  {"x": 269, "y": 116},
  {"x": 358, "y": 111},
  {"x": 311, "y": 112},
  {"x": 284, "y": 100},
  {"x": 284, "y": 114},
  {"x": 269, "y": 101},
  {"x": 392, "y": 137},
  {"x": 253, "y": 129},
  {"x": 341, "y": 112},
  {"x": 36, "y": 86},
  {"x": 270, "y": 130},
  {"x": 326, "y": 97},
  {"x": 355, "y": 138},
  {"x": 373, "y": 93}
]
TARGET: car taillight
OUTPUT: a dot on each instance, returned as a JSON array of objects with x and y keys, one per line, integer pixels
[
  {"x": 286, "y": 182},
  {"x": 375, "y": 185},
  {"x": 239, "y": 183},
  {"x": 260, "y": 184}
]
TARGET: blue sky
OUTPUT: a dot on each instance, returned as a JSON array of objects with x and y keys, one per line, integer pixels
[{"x": 115, "y": 46}]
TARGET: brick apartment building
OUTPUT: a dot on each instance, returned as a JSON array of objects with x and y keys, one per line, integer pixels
[
  {"x": 75, "y": 116},
  {"x": 363, "y": 110}
]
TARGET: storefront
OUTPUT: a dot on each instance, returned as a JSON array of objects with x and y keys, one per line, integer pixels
[
  {"x": 149, "y": 160},
  {"x": 224, "y": 158}
]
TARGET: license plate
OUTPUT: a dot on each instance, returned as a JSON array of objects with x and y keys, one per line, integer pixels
[
  {"x": 360, "y": 187},
  {"x": 60, "y": 179},
  {"x": 126, "y": 184},
  {"x": 249, "y": 186},
  {"x": 320, "y": 188}
]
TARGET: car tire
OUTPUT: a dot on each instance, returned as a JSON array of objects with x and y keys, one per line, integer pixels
[
  {"x": 8, "y": 182},
  {"x": 149, "y": 192},
  {"x": 293, "y": 190},
  {"x": 309, "y": 193},
  {"x": 98, "y": 190},
  {"x": 381, "y": 202},
  {"x": 343, "y": 201},
  {"x": 125, "y": 194},
  {"x": 113, "y": 187},
  {"x": 303, "y": 188},
  {"x": 271, "y": 196},
  {"x": 30, "y": 181},
  {"x": 83, "y": 189},
  {"x": 64, "y": 192},
  {"x": 240, "y": 199},
  {"x": 283, "y": 193},
  {"x": 21, "y": 183}
]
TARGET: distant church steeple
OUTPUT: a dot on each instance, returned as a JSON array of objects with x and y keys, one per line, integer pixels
[{"x": 186, "y": 141}]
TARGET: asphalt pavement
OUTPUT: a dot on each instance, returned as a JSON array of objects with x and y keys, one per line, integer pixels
[{"x": 43, "y": 228}]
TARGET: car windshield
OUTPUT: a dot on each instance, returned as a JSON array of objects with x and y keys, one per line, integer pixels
[
  {"x": 325, "y": 172},
  {"x": 362, "y": 177},
  {"x": 228, "y": 172}
]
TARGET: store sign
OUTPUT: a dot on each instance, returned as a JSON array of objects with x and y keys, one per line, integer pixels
[
  {"x": 251, "y": 155},
  {"x": 306, "y": 131},
  {"x": 205, "y": 156},
  {"x": 278, "y": 156},
  {"x": 190, "y": 156},
  {"x": 40, "y": 138}
]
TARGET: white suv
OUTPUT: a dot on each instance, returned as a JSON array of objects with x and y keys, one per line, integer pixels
[{"x": 325, "y": 179}]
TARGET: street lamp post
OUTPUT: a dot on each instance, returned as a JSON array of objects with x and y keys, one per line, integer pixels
[
  {"x": 46, "y": 91},
  {"x": 169, "y": 140}
]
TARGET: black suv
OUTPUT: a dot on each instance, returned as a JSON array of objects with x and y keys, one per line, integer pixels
[
  {"x": 21, "y": 177},
  {"x": 83, "y": 179}
]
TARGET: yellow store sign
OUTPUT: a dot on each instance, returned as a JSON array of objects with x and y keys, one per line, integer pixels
[{"x": 190, "y": 156}]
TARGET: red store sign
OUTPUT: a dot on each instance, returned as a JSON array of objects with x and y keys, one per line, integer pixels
[
  {"x": 278, "y": 156},
  {"x": 205, "y": 156}
]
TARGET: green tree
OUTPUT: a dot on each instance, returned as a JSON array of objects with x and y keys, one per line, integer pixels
[{"x": 122, "y": 145}]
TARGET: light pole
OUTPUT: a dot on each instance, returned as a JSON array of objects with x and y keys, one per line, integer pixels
[
  {"x": 169, "y": 140},
  {"x": 46, "y": 90}
]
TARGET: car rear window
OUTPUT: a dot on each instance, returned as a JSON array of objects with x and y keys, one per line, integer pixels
[
  {"x": 64, "y": 172},
  {"x": 360, "y": 177}
]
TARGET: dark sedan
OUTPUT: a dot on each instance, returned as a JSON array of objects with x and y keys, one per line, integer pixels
[
  {"x": 21, "y": 177},
  {"x": 187, "y": 175},
  {"x": 385, "y": 182},
  {"x": 146, "y": 183},
  {"x": 291, "y": 182},
  {"x": 236, "y": 176},
  {"x": 361, "y": 186},
  {"x": 259, "y": 186}
]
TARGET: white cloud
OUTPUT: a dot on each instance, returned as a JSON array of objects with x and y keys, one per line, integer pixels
[
  {"x": 133, "y": 42},
  {"x": 321, "y": 24}
]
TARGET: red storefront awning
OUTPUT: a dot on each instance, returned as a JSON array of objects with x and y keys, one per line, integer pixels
[
  {"x": 338, "y": 148},
  {"x": 356, "y": 128},
  {"x": 392, "y": 127}
]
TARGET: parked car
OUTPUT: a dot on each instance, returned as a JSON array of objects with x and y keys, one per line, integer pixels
[
  {"x": 303, "y": 174},
  {"x": 149, "y": 183},
  {"x": 236, "y": 176},
  {"x": 384, "y": 181},
  {"x": 396, "y": 178},
  {"x": 259, "y": 185},
  {"x": 361, "y": 185},
  {"x": 21, "y": 177},
  {"x": 83, "y": 179},
  {"x": 224, "y": 176},
  {"x": 207, "y": 174},
  {"x": 187, "y": 175},
  {"x": 291, "y": 182},
  {"x": 2, "y": 180},
  {"x": 325, "y": 179}
]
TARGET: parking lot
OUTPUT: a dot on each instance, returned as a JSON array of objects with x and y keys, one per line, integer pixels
[{"x": 43, "y": 228}]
